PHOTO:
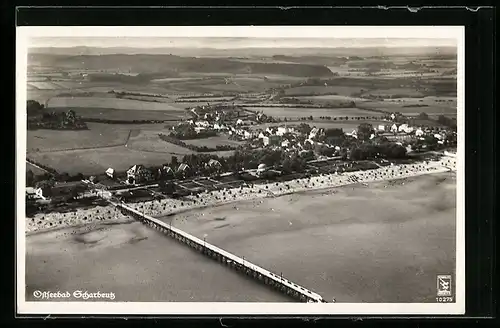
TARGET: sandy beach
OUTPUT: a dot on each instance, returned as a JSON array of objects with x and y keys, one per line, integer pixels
[{"x": 50, "y": 221}]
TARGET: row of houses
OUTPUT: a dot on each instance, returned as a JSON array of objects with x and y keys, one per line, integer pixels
[{"x": 138, "y": 174}]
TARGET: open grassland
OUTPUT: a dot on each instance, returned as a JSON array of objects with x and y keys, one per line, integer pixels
[
  {"x": 98, "y": 135},
  {"x": 214, "y": 141},
  {"x": 96, "y": 161},
  {"x": 390, "y": 249},
  {"x": 149, "y": 141},
  {"x": 294, "y": 112}
]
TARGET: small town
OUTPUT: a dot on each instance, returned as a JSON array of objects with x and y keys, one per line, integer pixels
[{"x": 279, "y": 152}]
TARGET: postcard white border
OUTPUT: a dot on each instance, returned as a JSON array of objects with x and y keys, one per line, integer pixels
[{"x": 237, "y": 308}]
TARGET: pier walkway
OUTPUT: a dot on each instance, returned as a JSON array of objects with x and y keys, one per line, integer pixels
[{"x": 275, "y": 281}]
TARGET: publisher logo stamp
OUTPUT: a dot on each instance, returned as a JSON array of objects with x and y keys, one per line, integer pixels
[{"x": 444, "y": 285}]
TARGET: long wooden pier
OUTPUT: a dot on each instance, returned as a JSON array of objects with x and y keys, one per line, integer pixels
[{"x": 241, "y": 265}]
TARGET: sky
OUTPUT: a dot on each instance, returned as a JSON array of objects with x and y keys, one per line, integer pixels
[{"x": 234, "y": 43}]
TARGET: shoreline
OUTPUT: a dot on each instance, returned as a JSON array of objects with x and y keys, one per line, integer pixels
[{"x": 168, "y": 207}]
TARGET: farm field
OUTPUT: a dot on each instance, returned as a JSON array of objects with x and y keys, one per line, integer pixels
[
  {"x": 207, "y": 99},
  {"x": 105, "y": 102},
  {"x": 176, "y": 79},
  {"x": 346, "y": 71},
  {"x": 35, "y": 79},
  {"x": 42, "y": 96},
  {"x": 323, "y": 90},
  {"x": 214, "y": 141},
  {"x": 331, "y": 98},
  {"x": 219, "y": 84},
  {"x": 98, "y": 135},
  {"x": 123, "y": 114},
  {"x": 293, "y": 112},
  {"x": 154, "y": 99},
  {"x": 45, "y": 85},
  {"x": 436, "y": 108},
  {"x": 404, "y": 92}
]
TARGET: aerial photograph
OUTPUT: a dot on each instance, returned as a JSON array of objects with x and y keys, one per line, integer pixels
[{"x": 241, "y": 169}]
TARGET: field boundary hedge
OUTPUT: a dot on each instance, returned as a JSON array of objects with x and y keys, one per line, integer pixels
[{"x": 49, "y": 169}]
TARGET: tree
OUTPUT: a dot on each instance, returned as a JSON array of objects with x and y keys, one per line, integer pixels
[
  {"x": 287, "y": 165},
  {"x": 308, "y": 155},
  {"x": 46, "y": 186},
  {"x": 334, "y": 132},
  {"x": 174, "y": 161},
  {"x": 397, "y": 151},
  {"x": 365, "y": 130},
  {"x": 30, "y": 178},
  {"x": 33, "y": 107},
  {"x": 304, "y": 128},
  {"x": 167, "y": 187},
  {"x": 423, "y": 116},
  {"x": 356, "y": 154},
  {"x": 297, "y": 164}
]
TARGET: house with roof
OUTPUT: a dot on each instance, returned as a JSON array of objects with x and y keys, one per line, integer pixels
[
  {"x": 165, "y": 171},
  {"x": 198, "y": 129},
  {"x": 272, "y": 140},
  {"x": 110, "y": 173},
  {"x": 138, "y": 174},
  {"x": 183, "y": 168},
  {"x": 394, "y": 128},
  {"x": 419, "y": 132},
  {"x": 382, "y": 128},
  {"x": 61, "y": 190},
  {"x": 204, "y": 124},
  {"x": 316, "y": 132},
  {"x": 282, "y": 130},
  {"x": 261, "y": 168},
  {"x": 34, "y": 193},
  {"x": 271, "y": 130},
  {"x": 353, "y": 134},
  {"x": 214, "y": 164},
  {"x": 402, "y": 127},
  {"x": 285, "y": 143},
  {"x": 262, "y": 134}
]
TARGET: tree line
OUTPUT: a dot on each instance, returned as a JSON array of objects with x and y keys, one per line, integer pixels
[{"x": 40, "y": 119}]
